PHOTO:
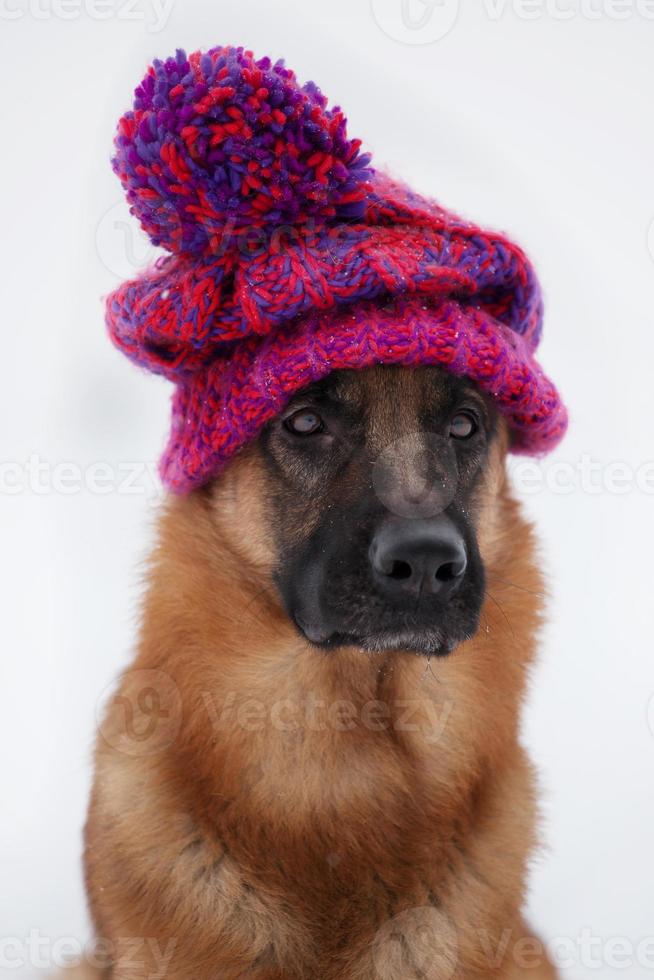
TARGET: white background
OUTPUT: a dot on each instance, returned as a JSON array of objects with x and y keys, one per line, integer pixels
[{"x": 535, "y": 118}]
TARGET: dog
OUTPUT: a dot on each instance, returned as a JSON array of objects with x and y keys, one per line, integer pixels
[{"x": 312, "y": 769}]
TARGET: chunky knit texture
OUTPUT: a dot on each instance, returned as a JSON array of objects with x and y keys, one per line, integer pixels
[{"x": 290, "y": 257}]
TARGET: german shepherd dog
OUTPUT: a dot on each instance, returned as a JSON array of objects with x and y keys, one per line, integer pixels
[{"x": 312, "y": 771}]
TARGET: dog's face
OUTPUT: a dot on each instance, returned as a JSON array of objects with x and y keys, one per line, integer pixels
[{"x": 375, "y": 483}]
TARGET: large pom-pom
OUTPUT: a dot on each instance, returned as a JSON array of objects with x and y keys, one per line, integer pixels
[{"x": 218, "y": 143}]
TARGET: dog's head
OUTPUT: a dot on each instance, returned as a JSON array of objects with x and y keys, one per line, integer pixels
[{"x": 373, "y": 494}]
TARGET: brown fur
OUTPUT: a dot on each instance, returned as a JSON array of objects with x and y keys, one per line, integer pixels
[{"x": 342, "y": 848}]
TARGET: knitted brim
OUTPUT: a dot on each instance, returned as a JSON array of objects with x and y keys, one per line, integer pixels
[{"x": 226, "y": 405}]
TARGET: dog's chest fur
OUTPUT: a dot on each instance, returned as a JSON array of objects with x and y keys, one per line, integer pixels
[{"x": 315, "y": 815}]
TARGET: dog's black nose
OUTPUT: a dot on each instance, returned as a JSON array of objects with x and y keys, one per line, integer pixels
[{"x": 414, "y": 557}]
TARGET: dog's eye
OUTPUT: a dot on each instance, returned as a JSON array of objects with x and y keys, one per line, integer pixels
[
  {"x": 304, "y": 423},
  {"x": 463, "y": 425}
]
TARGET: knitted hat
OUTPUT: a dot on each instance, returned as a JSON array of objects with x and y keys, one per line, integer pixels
[{"x": 290, "y": 257}]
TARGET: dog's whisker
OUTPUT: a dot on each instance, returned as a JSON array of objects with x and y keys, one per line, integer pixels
[
  {"x": 266, "y": 589},
  {"x": 514, "y": 585},
  {"x": 501, "y": 609}
]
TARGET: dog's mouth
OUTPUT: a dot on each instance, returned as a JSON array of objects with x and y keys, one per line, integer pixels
[
  {"x": 414, "y": 586},
  {"x": 344, "y": 615},
  {"x": 426, "y": 641}
]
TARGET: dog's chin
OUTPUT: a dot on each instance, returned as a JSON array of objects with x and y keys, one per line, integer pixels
[{"x": 424, "y": 642}]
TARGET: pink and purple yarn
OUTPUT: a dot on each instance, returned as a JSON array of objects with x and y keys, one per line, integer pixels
[{"x": 290, "y": 257}]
